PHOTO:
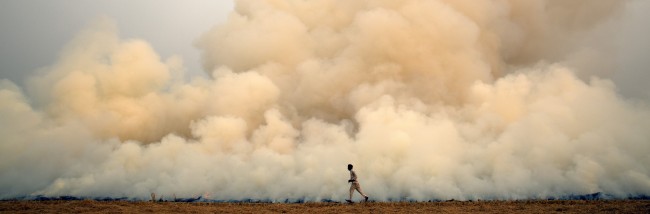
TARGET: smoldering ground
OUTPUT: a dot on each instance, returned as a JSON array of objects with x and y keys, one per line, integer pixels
[{"x": 430, "y": 99}]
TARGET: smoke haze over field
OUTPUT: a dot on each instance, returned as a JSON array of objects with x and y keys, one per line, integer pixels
[{"x": 429, "y": 99}]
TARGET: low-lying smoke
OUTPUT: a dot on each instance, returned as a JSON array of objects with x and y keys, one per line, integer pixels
[{"x": 430, "y": 99}]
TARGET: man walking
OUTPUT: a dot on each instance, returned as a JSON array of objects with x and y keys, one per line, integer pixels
[{"x": 354, "y": 184}]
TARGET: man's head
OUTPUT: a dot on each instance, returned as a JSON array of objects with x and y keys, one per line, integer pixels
[{"x": 349, "y": 166}]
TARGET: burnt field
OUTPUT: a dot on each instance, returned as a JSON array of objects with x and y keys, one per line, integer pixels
[{"x": 537, "y": 206}]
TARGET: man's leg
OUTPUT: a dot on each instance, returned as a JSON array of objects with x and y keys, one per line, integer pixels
[
  {"x": 361, "y": 192},
  {"x": 358, "y": 187},
  {"x": 351, "y": 192}
]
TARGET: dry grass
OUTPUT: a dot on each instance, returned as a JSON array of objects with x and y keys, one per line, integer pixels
[{"x": 89, "y": 206}]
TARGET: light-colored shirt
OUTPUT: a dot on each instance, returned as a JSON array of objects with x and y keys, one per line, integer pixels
[{"x": 353, "y": 176}]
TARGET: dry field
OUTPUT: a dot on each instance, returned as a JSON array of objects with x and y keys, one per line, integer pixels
[{"x": 89, "y": 206}]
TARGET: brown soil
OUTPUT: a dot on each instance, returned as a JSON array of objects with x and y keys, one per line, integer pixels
[{"x": 89, "y": 206}]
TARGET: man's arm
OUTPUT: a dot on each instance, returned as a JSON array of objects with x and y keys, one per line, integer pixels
[
  {"x": 353, "y": 177},
  {"x": 350, "y": 180}
]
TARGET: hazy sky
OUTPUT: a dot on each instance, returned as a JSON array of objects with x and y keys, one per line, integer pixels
[
  {"x": 634, "y": 48},
  {"x": 34, "y": 31}
]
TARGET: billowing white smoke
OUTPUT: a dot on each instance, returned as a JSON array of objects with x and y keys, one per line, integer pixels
[{"x": 430, "y": 99}]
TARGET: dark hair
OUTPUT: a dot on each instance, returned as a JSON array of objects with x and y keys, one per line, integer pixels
[{"x": 349, "y": 166}]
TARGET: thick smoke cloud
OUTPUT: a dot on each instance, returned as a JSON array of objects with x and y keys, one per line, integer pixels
[{"x": 429, "y": 100}]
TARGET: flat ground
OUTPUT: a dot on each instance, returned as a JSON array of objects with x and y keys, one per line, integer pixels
[{"x": 560, "y": 206}]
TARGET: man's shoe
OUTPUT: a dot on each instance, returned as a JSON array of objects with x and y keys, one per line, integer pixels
[
  {"x": 349, "y": 201},
  {"x": 366, "y": 198}
]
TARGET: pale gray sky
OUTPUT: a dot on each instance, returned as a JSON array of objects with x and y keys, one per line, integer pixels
[
  {"x": 33, "y": 32},
  {"x": 634, "y": 51}
]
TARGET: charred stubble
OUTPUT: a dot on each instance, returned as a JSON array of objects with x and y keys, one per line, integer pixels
[{"x": 534, "y": 206}]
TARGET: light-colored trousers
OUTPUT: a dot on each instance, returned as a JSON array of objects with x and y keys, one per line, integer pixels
[{"x": 355, "y": 186}]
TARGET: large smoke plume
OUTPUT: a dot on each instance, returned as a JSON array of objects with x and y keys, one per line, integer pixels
[{"x": 430, "y": 99}]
